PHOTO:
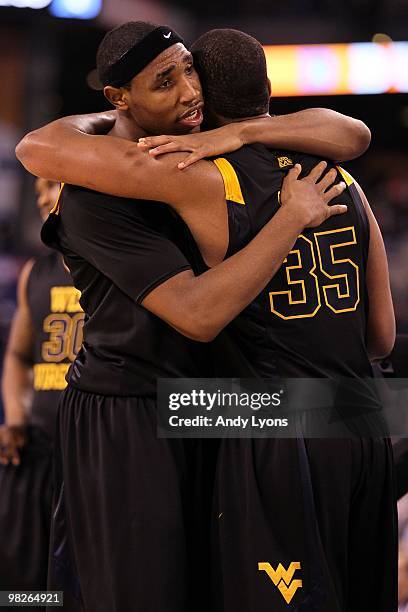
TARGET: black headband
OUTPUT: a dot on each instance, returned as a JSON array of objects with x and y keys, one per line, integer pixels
[{"x": 142, "y": 53}]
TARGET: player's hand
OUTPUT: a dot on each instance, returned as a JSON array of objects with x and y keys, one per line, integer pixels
[
  {"x": 12, "y": 440},
  {"x": 203, "y": 144},
  {"x": 309, "y": 197}
]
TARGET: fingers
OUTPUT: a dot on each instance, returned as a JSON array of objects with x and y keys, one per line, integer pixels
[
  {"x": 191, "y": 159},
  {"x": 334, "y": 192},
  {"x": 3, "y": 447},
  {"x": 170, "y": 147},
  {"x": 316, "y": 172},
  {"x": 15, "y": 457},
  {"x": 294, "y": 173},
  {"x": 149, "y": 142},
  {"x": 10, "y": 444},
  {"x": 9, "y": 454},
  {"x": 337, "y": 209},
  {"x": 327, "y": 180}
]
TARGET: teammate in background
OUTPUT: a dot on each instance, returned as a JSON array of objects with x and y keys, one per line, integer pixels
[{"x": 45, "y": 334}]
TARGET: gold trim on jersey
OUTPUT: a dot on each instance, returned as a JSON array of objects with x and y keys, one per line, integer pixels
[
  {"x": 55, "y": 208},
  {"x": 232, "y": 187},
  {"x": 348, "y": 179}
]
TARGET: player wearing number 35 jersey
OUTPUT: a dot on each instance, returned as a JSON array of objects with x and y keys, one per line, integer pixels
[
  {"x": 320, "y": 288},
  {"x": 335, "y": 513}
]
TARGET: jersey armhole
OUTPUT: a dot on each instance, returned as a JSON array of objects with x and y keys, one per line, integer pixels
[
  {"x": 352, "y": 187},
  {"x": 56, "y": 207}
]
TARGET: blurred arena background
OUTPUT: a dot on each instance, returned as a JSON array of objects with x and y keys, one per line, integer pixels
[{"x": 47, "y": 60}]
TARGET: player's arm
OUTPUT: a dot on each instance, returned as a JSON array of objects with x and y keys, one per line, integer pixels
[
  {"x": 381, "y": 318},
  {"x": 67, "y": 150},
  {"x": 200, "y": 307},
  {"x": 17, "y": 375},
  {"x": 317, "y": 131}
]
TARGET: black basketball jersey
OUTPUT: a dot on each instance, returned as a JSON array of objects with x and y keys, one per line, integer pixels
[
  {"x": 310, "y": 320},
  {"x": 118, "y": 250},
  {"x": 58, "y": 321}
]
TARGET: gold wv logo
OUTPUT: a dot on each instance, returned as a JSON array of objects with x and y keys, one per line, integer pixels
[
  {"x": 284, "y": 162},
  {"x": 282, "y": 578}
]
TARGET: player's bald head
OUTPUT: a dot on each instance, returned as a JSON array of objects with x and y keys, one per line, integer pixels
[{"x": 232, "y": 70}]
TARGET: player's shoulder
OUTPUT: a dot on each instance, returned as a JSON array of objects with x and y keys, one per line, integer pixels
[
  {"x": 258, "y": 158},
  {"x": 308, "y": 162},
  {"x": 81, "y": 203},
  {"x": 27, "y": 271},
  {"x": 250, "y": 174},
  {"x": 81, "y": 196},
  {"x": 81, "y": 208},
  {"x": 249, "y": 152}
]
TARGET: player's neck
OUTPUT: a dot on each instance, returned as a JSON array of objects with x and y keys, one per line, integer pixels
[{"x": 126, "y": 127}]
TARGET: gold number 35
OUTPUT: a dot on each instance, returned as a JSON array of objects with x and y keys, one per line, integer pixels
[{"x": 302, "y": 294}]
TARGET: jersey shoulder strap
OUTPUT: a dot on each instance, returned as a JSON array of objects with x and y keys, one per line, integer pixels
[{"x": 233, "y": 192}]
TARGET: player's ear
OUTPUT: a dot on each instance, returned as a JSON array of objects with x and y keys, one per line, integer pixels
[
  {"x": 269, "y": 87},
  {"x": 116, "y": 96}
]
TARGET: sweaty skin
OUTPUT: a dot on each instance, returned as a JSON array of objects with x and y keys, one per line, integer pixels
[{"x": 54, "y": 150}]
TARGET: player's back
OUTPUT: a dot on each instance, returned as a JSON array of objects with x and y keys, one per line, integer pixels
[
  {"x": 116, "y": 252},
  {"x": 310, "y": 321}
]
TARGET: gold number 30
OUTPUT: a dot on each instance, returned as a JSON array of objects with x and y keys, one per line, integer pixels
[{"x": 301, "y": 296}]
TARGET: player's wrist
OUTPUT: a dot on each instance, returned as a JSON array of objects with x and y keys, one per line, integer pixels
[
  {"x": 256, "y": 130},
  {"x": 293, "y": 217},
  {"x": 236, "y": 133},
  {"x": 249, "y": 131}
]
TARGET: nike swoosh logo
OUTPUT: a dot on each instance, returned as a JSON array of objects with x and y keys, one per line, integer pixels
[{"x": 167, "y": 35}]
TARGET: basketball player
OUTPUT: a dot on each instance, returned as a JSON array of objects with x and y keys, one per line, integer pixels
[
  {"x": 45, "y": 334},
  {"x": 117, "y": 521},
  {"x": 341, "y": 500}
]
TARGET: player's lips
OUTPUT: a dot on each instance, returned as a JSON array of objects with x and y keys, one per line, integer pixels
[{"x": 192, "y": 117}]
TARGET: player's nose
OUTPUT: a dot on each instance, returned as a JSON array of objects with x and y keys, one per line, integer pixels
[{"x": 189, "y": 92}]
